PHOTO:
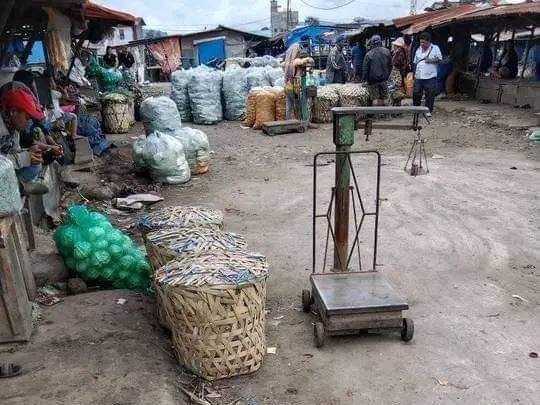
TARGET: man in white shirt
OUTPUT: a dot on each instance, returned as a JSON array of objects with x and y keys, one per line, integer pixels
[{"x": 426, "y": 59}]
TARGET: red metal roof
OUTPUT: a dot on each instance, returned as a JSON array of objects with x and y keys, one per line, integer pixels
[
  {"x": 465, "y": 13},
  {"x": 96, "y": 12}
]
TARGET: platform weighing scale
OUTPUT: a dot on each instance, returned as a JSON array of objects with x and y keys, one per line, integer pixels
[
  {"x": 297, "y": 125},
  {"x": 351, "y": 302}
]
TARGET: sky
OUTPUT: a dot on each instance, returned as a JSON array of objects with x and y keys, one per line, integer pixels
[{"x": 177, "y": 16}]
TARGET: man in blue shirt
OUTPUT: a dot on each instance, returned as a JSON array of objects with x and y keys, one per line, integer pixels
[{"x": 358, "y": 51}]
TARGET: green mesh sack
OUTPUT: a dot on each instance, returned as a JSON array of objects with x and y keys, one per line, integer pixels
[{"x": 98, "y": 253}]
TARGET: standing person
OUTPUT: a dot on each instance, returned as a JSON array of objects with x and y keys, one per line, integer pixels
[
  {"x": 376, "y": 70},
  {"x": 358, "y": 53},
  {"x": 125, "y": 58},
  {"x": 426, "y": 58},
  {"x": 508, "y": 66},
  {"x": 336, "y": 65},
  {"x": 400, "y": 60},
  {"x": 296, "y": 60},
  {"x": 109, "y": 58}
]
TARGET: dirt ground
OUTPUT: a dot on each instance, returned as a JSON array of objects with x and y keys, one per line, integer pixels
[{"x": 461, "y": 245}]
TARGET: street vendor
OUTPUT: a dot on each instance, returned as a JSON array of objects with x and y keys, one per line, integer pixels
[
  {"x": 376, "y": 71},
  {"x": 296, "y": 60},
  {"x": 337, "y": 70},
  {"x": 125, "y": 58},
  {"x": 109, "y": 59},
  {"x": 17, "y": 108}
]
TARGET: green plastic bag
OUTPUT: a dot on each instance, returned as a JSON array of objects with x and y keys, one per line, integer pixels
[{"x": 99, "y": 253}]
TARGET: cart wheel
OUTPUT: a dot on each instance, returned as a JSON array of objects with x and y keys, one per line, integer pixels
[
  {"x": 306, "y": 301},
  {"x": 301, "y": 129},
  {"x": 318, "y": 330},
  {"x": 407, "y": 331}
]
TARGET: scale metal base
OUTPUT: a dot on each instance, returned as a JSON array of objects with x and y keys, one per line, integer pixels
[
  {"x": 284, "y": 127},
  {"x": 352, "y": 302}
]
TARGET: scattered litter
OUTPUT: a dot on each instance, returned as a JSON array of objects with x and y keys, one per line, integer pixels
[
  {"x": 533, "y": 355},
  {"x": 271, "y": 350},
  {"x": 292, "y": 391},
  {"x": 279, "y": 317},
  {"x": 513, "y": 168},
  {"x": 519, "y": 298},
  {"x": 49, "y": 296},
  {"x": 308, "y": 355},
  {"x": 437, "y": 157},
  {"x": 450, "y": 384},
  {"x": 121, "y": 301},
  {"x": 493, "y": 315}
]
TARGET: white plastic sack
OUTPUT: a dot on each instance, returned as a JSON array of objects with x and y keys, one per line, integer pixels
[
  {"x": 257, "y": 77},
  {"x": 235, "y": 91},
  {"x": 180, "y": 94},
  {"x": 196, "y": 148},
  {"x": 276, "y": 76},
  {"x": 160, "y": 114},
  {"x": 137, "y": 153},
  {"x": 163, "y": 156},
  {"x": 204, "y": 89},
  {"x": 265, "y": 60},
  {"x": 10, "y": 198}
]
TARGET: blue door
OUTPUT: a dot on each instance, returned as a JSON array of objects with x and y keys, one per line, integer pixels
[{"x": 213, "y": 49}]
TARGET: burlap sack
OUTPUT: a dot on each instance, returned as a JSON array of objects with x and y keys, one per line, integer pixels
[{"x": 266, "y": 108}]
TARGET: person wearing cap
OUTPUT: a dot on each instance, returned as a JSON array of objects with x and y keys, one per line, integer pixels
[
  {"x": 17, "y": 108},
  {"x": 358, "y": 52},
  {"x": 336, "y": 65},
  {"x": 376, "y": 70},
  {"x": 426, "y": 59}
]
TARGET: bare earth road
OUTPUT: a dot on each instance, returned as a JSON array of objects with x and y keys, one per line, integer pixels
[{"x": 460, "y": 244}]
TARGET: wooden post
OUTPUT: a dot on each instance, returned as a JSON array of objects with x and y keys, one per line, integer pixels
[{"x": 527, "y": 50}]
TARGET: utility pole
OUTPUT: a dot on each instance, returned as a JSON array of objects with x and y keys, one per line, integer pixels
[
  {"x": 288, "y": 14},
  {"x": 413, "y": 7}
]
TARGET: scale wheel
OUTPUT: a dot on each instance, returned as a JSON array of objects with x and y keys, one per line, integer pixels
[
  {"x": 407, "y": 332},
  {"x": 306, "y": 301},
  {"x": 320, "y": 335}
]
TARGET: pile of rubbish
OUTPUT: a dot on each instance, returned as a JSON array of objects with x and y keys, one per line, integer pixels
[
  {"x": 171, "y": 153},
  {"x": 198, "y": 92},
  {"x": 98, "y": 253}
]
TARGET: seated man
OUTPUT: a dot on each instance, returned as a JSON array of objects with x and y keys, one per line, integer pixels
[
  {"x": 508, "y": 66},
  {"x": 18, "y": 107}
]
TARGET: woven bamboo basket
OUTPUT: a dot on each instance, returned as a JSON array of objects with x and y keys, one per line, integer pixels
[
  {"x": 215, "y": 306},
  {"x": 118, "y": 115},
  {"x": 167, "y": 244},
  {"x": 180, "y": 216}
]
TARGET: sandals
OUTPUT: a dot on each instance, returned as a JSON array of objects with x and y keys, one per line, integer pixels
[{"x": 8, "y": 370}]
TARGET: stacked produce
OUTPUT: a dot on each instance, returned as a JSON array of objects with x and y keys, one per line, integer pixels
[
  {"x": 327, "y": 98},
  {"x": 352, "y": 95},
  {"x": 235, "y": 92},
  {"x": 160, "y": 114},
  {"x": 265, "y": 104},
  {"x": 99, "y": 253},
  {"x": 211, "y": 292}
]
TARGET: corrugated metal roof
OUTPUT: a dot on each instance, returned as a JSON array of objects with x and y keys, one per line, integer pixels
[
  {"x": 94, "y": 11},
  {"x": 467, "y": 12}
]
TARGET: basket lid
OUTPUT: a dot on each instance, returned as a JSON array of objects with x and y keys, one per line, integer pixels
[
  {"x": 181, "y": 216},
  {"x": 193, "y": 240},
  {"x": 214, "y": 268}
]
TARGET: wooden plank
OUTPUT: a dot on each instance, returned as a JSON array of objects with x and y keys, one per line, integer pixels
[
  {"x": 24, "y": 258},
  {"x": 5, "y": 228}
]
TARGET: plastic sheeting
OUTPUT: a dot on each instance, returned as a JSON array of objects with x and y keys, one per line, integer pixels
[
  {"x": 235, "y": 91},
  {"x": 160, "y": 114},
  {"x": 163, "y": 156},
  {"x": 204, "y": 89},
  {"x": 180, "y": 94},
  {"x": 10, "y": 199}
]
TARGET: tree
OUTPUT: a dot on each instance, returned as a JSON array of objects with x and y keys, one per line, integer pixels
[{"x": 312, "y": 21}]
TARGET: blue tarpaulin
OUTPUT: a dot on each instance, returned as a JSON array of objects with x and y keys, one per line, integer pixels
[{"x": 312, "y": 31}]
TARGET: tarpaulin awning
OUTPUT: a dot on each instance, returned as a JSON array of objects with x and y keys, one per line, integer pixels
[
  {"x": 167, "y": 53},
  {"x": 314, "y": 32},
  {"x": 95, "y": 12}
]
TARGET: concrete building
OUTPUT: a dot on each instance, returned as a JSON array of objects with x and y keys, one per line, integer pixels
[
  {"x": 278, "y": 19},
  {"x": 122, "y": 35}
]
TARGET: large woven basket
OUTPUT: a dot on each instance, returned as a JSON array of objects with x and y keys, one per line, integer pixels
[
  {"x": 180, "y": 216},
  {"x": 215, "y": 306},
  {"x": 118, "y": 117},
  {"x": 167, "y": 244},
  {"x": 181, "y": 243}
]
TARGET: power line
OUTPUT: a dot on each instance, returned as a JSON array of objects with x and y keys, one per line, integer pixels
[
  {"x": 327, "y": 8},
  {"x": 206, "y": 25}
]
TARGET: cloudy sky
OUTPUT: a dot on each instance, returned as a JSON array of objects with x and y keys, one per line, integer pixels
[{"x": 176, "y": 16}]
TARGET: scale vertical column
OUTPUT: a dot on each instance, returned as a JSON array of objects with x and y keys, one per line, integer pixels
[{"x": 343, "y": 139}]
